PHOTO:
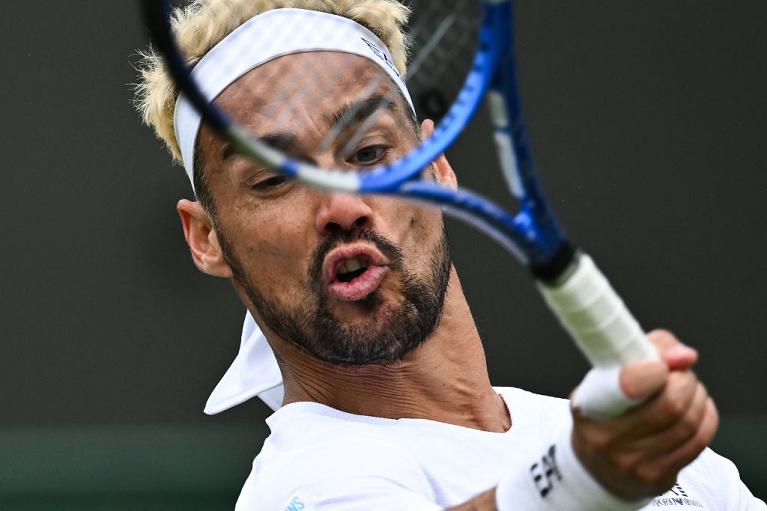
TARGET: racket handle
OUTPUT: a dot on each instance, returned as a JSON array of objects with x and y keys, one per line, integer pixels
[{"x": 604, "y": 330}]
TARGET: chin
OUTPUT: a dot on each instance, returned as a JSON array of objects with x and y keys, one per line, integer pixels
[{"x": 375, "y": 309}]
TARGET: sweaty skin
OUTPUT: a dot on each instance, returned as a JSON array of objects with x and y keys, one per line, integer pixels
[{"x": 265, "y": 233}]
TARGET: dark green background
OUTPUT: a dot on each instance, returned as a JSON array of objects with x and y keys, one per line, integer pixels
[{"x": 649, "y": 122}]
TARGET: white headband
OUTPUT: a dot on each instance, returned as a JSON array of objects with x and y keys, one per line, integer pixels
[{"x": 263, "y": 38}]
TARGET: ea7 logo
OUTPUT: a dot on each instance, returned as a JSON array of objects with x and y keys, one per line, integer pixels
[
  {"x": 295, "y": 505},
  {"x": 546, "y": 473},
  {"x": 675, "y": 497}
]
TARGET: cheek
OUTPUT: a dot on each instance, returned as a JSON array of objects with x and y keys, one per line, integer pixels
[
  {"x": 414, "y": 227},
  {"x": 273, "y": 243},
  {"x": 427, "y": 228}
]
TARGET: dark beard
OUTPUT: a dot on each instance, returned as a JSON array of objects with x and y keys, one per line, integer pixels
[{"x": 311, "y": 325}]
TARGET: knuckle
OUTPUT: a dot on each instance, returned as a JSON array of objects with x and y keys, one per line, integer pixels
[
  {"x": 682, "y": 379},
  {"x": 626, "y": 463},
  {"x": 674, "y": 407},
  {"x": 683, "y": 432},
  {"x": 594, "y": 437},
  {"x": 663, "y": 337},
  {"x": 663, "y": 333},
  {"x": 689, "y": 425},
  {"x": 601, "y": 440},
  {"x": 647, "y": 473}
]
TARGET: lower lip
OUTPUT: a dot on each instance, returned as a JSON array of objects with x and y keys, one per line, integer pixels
[{"x": 360, "y": 287}]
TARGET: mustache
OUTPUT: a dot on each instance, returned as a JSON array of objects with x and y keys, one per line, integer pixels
[{"x": 391, "y": 251}]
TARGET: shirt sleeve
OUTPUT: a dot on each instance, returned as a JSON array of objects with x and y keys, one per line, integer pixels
[
  {"x": 719, "y": 482},
  {"x": 368, "y": 493}
]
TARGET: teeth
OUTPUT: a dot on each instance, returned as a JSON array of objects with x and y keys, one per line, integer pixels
[{"x": 352, "y": 264}]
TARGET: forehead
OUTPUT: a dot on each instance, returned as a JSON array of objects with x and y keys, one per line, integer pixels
[{"x": 305, "y": 85}]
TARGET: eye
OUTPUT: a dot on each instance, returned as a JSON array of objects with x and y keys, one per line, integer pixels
[
  {"x": 270, "y": 183},
  {"x": 370, "y": 155}
]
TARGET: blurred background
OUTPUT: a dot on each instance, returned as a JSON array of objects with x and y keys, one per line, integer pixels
[{"x": 649, "y": 123}]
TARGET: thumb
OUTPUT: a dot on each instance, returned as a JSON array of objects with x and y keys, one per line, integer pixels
[
  {"x": 642, "y": 380},
  {"x": 676, "y": 355}
]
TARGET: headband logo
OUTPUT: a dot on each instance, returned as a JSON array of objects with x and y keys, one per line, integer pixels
[{"x": 381, "y": 55}]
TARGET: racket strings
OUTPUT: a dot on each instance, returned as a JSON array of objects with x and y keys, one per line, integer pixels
[
  {"x": 281, "y": 108},
  {"x": 311, "y": 86},
  {"x": 444, "y": 39},
  {"x": 308, "y": 85}
]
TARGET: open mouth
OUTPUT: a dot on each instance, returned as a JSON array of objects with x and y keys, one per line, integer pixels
[
  {"x": 352, "y": 268},
  {"x": 354, "y": 272}
]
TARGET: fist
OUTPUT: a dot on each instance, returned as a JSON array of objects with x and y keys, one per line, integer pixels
[{"x": 639, "y": 454}]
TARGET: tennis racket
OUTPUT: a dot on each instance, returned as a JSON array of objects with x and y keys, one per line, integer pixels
[{"x": 470, "y": 40}]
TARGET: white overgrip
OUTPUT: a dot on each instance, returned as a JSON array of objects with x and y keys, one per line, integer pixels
[{"x": 605, "y": 331}]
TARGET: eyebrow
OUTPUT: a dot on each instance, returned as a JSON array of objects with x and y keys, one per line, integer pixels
[
  {"x": 285, "y": 142},
  {"x": 353, "y": 113},
  {"x": 358, "y": 111}
]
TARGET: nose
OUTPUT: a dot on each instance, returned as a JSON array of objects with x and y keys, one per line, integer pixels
[{"x": 342, "y": 212}]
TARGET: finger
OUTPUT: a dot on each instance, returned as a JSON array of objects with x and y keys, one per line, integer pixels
[
  {"x": 687, "y": 453},
  {"x": 642, "y": 380},
  {"x": 676, "y": 355},
  {"x": 663, "y": 471},
  {"x": 663, "y": 339},
  {"x": 680, "y": 357},
  {"x": 668, "y": 406},
  {"x": 657, "y": 413},
  {"x": 677, "y": 434},
  {"x": 628, "y": 451}
]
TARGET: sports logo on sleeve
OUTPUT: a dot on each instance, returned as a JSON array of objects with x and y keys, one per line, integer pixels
[
  {"x": 546, "y": 472},
  {"x": 297, "y": 504},
  {"x": 676, "y": 497}
]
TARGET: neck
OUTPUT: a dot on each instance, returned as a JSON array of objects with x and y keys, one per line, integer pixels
[{"x": 445, "y": 379}]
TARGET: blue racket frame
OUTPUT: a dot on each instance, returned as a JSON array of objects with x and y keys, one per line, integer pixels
[{"x": 532, "y": 234}]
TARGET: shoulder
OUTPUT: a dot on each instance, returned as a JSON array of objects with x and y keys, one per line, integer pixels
[
  {"x": 527, "y": 399},
  {"x": 713, "y": 481}
]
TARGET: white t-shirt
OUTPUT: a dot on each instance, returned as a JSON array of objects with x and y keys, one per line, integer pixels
[{"x": 321, "y": 459}]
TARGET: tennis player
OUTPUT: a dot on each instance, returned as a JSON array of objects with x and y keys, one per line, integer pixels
[{"x": 358, "y": 333}]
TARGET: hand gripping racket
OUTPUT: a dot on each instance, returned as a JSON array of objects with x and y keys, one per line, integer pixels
[{"x": 474, "y": 40}]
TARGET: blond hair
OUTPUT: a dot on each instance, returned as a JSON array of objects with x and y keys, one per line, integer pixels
[{"x": 204, "y": 23}]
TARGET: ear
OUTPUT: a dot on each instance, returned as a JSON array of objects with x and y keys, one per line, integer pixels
[
  {"x": 443, "y": 171},
  {"x": 202, "y": 239}
]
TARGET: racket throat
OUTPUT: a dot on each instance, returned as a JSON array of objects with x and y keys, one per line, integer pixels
[{"x": 553, "y": 270}]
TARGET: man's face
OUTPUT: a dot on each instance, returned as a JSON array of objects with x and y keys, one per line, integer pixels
[{"x": 352, "y": 279}]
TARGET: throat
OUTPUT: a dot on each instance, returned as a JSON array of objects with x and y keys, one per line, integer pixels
[{"x": 399, "y": 392}]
